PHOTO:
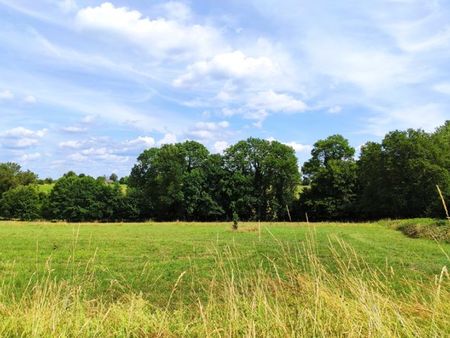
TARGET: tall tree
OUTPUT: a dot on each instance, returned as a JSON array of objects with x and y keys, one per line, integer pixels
[
  {"x": 398, "y": 177},
  {"x": 81, "y": 198},
  {"x": 12, "y": 176},
  {"x": 22, "y": 202},
  {"x": 262, "y": 179},
  {"x": 172, "y": 182},
  {"x": 332, "y": 175}
]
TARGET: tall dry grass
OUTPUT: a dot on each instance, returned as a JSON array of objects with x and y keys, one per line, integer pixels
[{"x": 295, "y": 296}]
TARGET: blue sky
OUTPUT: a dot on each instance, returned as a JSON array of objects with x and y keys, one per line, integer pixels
[{"x": 87, "y": 85}]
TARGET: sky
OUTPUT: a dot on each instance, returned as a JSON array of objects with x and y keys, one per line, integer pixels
[{"x": 88, "y": 85}]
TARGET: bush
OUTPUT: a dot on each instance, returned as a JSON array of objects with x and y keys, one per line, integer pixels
[{"x": 23, "y": 202}]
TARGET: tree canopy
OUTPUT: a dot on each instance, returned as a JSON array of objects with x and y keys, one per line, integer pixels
[{"x": 254, "y": 179}]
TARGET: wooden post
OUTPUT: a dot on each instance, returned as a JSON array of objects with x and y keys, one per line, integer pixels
[
  {"x": 289, "y": 214},
  {"x": 306, "y": 216},
  {"x": 259, "y": 230},
  {"x": 443, "y": 202}
]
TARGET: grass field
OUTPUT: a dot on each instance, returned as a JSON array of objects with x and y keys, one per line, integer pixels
[{"x": 196, "y": 279}]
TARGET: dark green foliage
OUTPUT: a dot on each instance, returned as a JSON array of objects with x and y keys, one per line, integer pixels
[
  {"x": 262, "y": 178},
  {"x": 171, "y": 182},
  {"x": 83, "y": 198},
  {"x": 12, "y": 176},
  {"x": 254, "y": 179},
  {"x": 332, "y": 173},
  {"x": 398, "y": 177},
  {"x": 23, "y": 203}
]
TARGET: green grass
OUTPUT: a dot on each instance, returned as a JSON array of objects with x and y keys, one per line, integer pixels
[
  {"x": 438, "y": 230},
  {"x": 173, "y": 278}
]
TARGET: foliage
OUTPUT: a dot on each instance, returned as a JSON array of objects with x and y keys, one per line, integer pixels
[
  {"x": 332, "y": 174},
  {"x": 262, "y": 178},
  {"x": 22, "y": 202},
  {"x": 12, "y": 176},
  {"x": 83, "y": 198},
  {"x": 259, "y": 180},
  {"x": 398, "y": 177},
  {"x": 172, "y": 182}
]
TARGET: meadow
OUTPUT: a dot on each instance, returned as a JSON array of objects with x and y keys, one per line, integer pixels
[{"x": 205, "y": 280}]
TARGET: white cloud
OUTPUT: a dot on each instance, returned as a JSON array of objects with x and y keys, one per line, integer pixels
[
  {"x": 168, "y": 138},
  {"x": 67, "y": 5},
  {"x": 220, "y": 146},
  {"x": 299, "y": 147},
  {"x": 74, "y": 129},
  {"x": 30, "y": 157},
  {"x": 427, "y": 117},
  {"x": 141, "y": 141},
  {"x": 177, "y": 11},
  {"x": 71, "y": 144},
  {"x": 6, "y": 95},
  {"x": 207, "y": 131},
  {"x": 88, "y": 119},
  {"x": 162, "y": 38},
  {"x": 335, "y": 109},
  {"x": 21, "y": 137},
  {"x": 443, "y": 88},
  {"x": 30, "y": 99},
  {"x": 233, "y": 65},
  {"x": 23, "y": 132},
  {"x": 271, "y": 101}
]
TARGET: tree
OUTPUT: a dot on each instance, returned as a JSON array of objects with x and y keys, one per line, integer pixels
[
  {"x": 113, "y": 177},
  {"x": 398, "y": 177},
  {"x": 172, "y": 182},
  {"x": 11, "y": 176},
  {"x": 332, "y": 173},
  {"x": 23, "y": 203},
  {"x": 79, "y": 199},
  {"x": 262, "y": 178}
]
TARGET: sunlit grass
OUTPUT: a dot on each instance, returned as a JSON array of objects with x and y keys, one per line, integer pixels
[{"x": 206, "y": 280}]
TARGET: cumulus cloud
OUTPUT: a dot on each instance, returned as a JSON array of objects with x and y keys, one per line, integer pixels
[
  {"x": 23, "y": 132},
  {"x": 141, "y": 141},
  {"x": 74, "y": 129},
  {"x": 30, "y": 157},
  {"x": 299, "y": 147},
  {"x": 208, "y": 131},
  {"x": 269, "y": 100},
  {"x": 21, "y": 137},
  {"x": 168, "y": 138},
  {"x": 71, "y": 144},
  {"x": 233, "y": 65},
  {"x": 163, "y": 38},
  {"x": 220, "y": 146}
]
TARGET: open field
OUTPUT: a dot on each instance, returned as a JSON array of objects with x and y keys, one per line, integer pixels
[{"x": 172, "y": 279}]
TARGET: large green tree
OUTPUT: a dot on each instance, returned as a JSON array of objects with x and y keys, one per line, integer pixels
[
  {"x": 262, "y": 179},
  {"x": 171, "y": 182},
  {"x": 82, "y": 198},
  {"x": 332, "y": 175},
  {"x": 23, "y": 203},
  {"x": 398, "y": 177},
  {"x": 11, "y": 176}
]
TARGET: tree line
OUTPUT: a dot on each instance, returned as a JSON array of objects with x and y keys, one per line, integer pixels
[{"x": 254, "y": 179}]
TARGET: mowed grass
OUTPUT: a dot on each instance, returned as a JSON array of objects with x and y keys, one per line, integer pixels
[{"x": 200, "y": 279}]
